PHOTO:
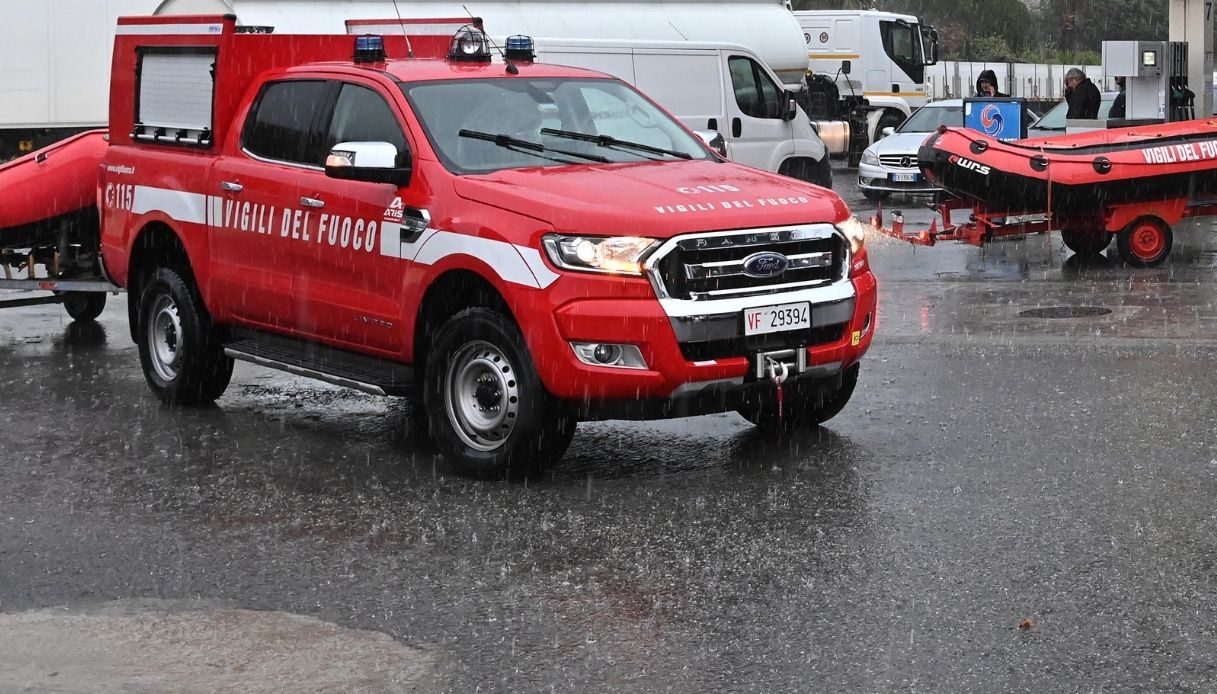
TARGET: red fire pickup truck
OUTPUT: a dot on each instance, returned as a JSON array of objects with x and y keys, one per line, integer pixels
[{"x": 521, "y": 245}]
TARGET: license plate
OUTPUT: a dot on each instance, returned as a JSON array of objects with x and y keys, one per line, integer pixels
[
  {"x": 776, "y": 319},
  {"x": 905, "y": 177}
]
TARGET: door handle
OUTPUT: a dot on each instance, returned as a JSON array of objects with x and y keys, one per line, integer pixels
[
  {"x": 312, "y": 202},
  {"x": 231, "y": 187},
  {"x": 737, "y": 127}
]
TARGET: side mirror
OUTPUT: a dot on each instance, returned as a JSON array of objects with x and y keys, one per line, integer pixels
[
  {"x": 714, "y": 140},
  {"x": 372, "y": 162},
  {"x": 888, "y": 131},
  {"x": 845, "y": 65},
  {"x": 792, "y": 108}
]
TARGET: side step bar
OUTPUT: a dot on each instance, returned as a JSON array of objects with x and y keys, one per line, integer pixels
[{"x": 336, "y": 366}]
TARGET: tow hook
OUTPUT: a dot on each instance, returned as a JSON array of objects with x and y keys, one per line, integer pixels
[{"x": 778, "y": 371}]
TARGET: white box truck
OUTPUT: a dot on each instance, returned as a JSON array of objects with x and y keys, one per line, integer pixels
[
  {"x": 55, "y": 68},
  {"x": 867, "y": 72}
]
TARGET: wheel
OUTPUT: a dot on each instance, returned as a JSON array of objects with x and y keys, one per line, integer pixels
[
  {"x": 815, "y": 172},
  {"x": 1086, "y": 241},
  {"x": 875, "y": 195},
  {"x": 889, "y": 119},
  {"x": 1145, "y": 242},
  {"x": 806, "y": 404},
  {"x": 84, "y": 306},
  {"x": 182, "y": 358},
  {"x": 490, "y": 415}
]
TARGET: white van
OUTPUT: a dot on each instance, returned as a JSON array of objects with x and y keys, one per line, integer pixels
[{"x": 710, "y": 86}]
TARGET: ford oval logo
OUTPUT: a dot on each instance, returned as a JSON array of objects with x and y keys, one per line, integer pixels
[{"x": 765, "y": 264}]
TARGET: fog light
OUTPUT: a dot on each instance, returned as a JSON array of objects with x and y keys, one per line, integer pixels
[{"x": 618, "y": 356}]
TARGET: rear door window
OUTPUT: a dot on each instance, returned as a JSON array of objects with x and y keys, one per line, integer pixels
[{"x": 282, "y": 125}]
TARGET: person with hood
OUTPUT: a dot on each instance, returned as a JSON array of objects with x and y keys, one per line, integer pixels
[
  {"x": 1082, "y": 95},
  {"x": 986, "y": 84}
]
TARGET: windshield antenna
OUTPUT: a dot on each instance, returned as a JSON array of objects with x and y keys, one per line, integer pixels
[
  {"x": 401, "y": 22},
  {"x": 477, "y": 22}
]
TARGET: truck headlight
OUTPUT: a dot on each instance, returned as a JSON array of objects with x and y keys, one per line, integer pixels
[
  {"x": 870, "y": 158},
  {"x": 619, "y": 255},
  {"x": 855, "y": 231}
]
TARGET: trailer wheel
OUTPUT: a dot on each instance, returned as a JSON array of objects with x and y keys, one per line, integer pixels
[
  {"x": 182, "y": 359},
  {"x": 84, "y": 306},
  {"x": 1146, "y": 242},
  {"x": 804, "y": 404},
  {"x": 1086, "y": 241},
  {"x": 489, "y": 413}
]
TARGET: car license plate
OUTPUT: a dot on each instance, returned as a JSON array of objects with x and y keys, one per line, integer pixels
[
  {"x": 905, "y": 177},
  {"x": 776, "y": 319}
]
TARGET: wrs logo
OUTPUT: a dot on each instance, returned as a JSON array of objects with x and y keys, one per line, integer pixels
[
  {"x": 970, "y": 165},
  {"x": 991, "y": 120}
]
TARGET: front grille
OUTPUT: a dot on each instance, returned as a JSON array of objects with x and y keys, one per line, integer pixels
[
  {"x": 742, "y": 346},
  {"x": 713, "y": 266},
  {"x": 898, "y": 161}
]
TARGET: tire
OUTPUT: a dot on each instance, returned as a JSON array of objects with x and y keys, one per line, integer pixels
[
  {"x": 182, "y": 359},
  {"x": 1086, "y": 241},
  {"x": 805, "y": 405},
  {"x": 889, "y": 119},
  {"x": 874, "y": 195},
  {"x": 1146, "y": 242},
  {"x": 815, "y": 172},
  {"x": 489, "y": 414},
  {"x": 84, "y": 306}
]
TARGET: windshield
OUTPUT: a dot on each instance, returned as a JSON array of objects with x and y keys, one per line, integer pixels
[
  {"x": 514, "y": 111},
  {"x": 1054, "y": 119},
  {"x": 928, "y": 118}
]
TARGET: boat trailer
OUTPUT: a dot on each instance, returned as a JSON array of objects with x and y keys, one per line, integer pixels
[{"x": 1143, "y": 230}]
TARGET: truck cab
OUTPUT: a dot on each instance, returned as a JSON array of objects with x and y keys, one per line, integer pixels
[
  {"x": 879, "y": 57},
  {"x": 518, "y": 246}
]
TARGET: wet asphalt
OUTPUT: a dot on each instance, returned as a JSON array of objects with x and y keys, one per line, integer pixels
[{"x": 1009, "y": 503}]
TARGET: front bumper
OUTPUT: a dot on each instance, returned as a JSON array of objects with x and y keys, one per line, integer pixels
[
  {"x": 698, "y": 360},
  {"x": 879, "y": 179}
]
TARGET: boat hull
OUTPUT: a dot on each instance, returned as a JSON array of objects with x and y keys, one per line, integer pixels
[
  {"x": 1075, "y": 175},
  {"x": 45, "y": 192}
]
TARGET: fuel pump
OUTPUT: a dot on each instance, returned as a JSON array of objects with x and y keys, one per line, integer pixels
[{"x": 1155, "y": 80}]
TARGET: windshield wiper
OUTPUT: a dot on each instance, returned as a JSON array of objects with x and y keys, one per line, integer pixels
[
  {"x": 610, "y": 141},
  {"x": 524, "y": 146}
]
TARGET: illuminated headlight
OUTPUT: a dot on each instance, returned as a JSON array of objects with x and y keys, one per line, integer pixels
[
  {"x": 620, "y": 255},
  {"x": 609, "y": 354},
  {"x": 870, "y": 158},
  {"x": 855, "y": 231}
]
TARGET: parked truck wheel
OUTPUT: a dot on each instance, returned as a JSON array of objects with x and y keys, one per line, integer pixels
[
  {"x": 84, "y": 306},
  {"x": 181, "y": 356},
  {"x": 805, "y": 404},
  {"x": 490, "y": 415},
  {"x": 1145, "y": 242},
  {"x": 1086, "y": 241}
]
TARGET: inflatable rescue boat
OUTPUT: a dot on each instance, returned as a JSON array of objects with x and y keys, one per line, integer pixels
[
  {"x": 1075, "y": 174},
  {"x": 52, "y": 190}
]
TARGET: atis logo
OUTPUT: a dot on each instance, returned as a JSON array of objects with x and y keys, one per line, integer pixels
[
  {"x": 991, "y": 120},
  {"x": 765, "y": 264},
  {"x": 969, "y": 165}
]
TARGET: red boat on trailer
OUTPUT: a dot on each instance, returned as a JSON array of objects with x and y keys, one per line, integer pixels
[{"x": 1130, "y": 183}]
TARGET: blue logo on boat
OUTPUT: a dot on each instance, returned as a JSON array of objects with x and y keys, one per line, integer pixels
[
  {"x": 991, "y": 120},
  {"x": 765, "y": 264}
]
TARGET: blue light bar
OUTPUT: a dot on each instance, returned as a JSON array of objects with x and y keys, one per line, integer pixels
[
  {"x": 369, "y": 48},
  {"x": 520, "y": 48}
]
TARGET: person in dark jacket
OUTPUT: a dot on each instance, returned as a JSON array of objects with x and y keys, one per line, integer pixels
[
  {"x": 1082, "y": 95},
  {"x": 1117, "y": 106},
  {"x": 986, "y": 84}
]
